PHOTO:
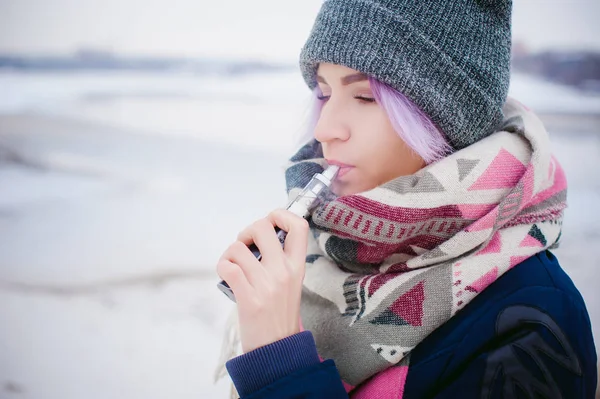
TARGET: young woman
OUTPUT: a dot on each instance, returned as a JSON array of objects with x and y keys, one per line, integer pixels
[{"x": 428, "y": 274}]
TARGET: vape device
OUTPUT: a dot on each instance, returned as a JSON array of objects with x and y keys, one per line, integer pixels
[{"x": 302, "y": 205}]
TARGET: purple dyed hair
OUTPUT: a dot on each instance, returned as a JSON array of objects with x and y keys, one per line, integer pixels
[{"x": 412, "y": 125}]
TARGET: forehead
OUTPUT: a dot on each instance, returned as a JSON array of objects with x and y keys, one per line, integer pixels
[{"x": 330, "y": 74}]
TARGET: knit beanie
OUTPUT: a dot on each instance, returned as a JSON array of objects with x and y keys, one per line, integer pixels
[{"x": 451, "y": 58}]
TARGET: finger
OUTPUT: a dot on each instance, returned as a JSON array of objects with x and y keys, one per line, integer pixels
[
  {"x": 239, "y": 254},
  {"x": 235, "y": 277},
  {"x": 262, "y": 233},
  {"x": 297, "y": 229}
]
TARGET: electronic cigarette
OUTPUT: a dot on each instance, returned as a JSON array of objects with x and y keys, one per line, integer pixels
[{"x": 302, "y": 205}]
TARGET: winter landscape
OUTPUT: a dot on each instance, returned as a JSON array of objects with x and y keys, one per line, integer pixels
[{"x": 119, "y": 191}]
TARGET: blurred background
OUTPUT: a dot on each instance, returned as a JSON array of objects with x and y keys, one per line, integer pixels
[{"x": 137, "y": 138}]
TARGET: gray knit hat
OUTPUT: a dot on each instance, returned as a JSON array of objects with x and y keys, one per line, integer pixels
[{"x": 451, "y": 58}]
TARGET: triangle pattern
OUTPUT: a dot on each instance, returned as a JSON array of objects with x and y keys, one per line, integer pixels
[
  {"x": 481, "y": 283},
  {"x": 494, "y": 246},
  {"x": 409, "y": 306},
  {"x": 391, "y": 353},
  {"x": 465, "y": 166},
  {"x": 529, "y": 241},
  {"x": 536, "y": 233},
  {"x": 486, "y": 222},
  {"x": 434, "y": 253},
  {"x": 428, "y": 184},
  {"x": 389, "y": 318},
  {"x": 504, "y": 171}
]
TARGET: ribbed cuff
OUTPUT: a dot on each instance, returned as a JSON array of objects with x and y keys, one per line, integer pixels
[{"x": 263, "y": 366}]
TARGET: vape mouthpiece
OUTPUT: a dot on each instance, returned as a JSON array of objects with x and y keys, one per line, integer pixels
[{"x": 330, "y": 172}]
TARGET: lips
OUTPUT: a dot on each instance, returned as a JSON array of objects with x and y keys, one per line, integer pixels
[
  {"x": 344, "y": 168},
  {"x": 343, "y": 171},
  {"x": 338, "y": 163}
]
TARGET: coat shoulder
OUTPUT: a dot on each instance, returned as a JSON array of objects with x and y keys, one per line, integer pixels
[{"x": 532, "y": 310}]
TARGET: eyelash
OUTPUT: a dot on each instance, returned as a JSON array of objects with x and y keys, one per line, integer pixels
[{"x": 360, "y": 98}]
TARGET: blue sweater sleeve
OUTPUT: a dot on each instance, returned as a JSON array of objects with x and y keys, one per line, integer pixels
[{"x": 286, "y": 368}]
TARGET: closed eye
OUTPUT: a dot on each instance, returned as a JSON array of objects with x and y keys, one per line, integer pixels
[
  {"x": 360, "y": 98},
  {"x": 365, "y": 99}
]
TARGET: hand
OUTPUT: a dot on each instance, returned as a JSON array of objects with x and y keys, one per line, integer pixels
[{"x": 267, "y": 292}]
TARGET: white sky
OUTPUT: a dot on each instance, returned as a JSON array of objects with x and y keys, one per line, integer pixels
[{"x": 269, "y": 29}]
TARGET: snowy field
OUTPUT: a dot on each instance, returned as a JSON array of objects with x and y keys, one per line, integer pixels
[{"x": 118, "y": 192}]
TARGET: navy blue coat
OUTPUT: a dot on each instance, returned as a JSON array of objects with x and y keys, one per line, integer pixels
[{"x": 527, "y": 335}]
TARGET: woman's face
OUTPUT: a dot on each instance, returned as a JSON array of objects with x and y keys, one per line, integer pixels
[{"x": 356, "y": 133}]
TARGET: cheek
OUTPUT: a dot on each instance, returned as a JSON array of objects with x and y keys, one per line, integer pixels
[
  {"x": 373, "y": 130},
  {"x": 388, "y": 155},
  {"x": 371, "y": 158},
  {"x": 379, "y": 153}
]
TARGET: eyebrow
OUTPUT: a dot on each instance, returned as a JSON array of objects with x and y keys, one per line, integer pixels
[{"x": 346, "y": 80}]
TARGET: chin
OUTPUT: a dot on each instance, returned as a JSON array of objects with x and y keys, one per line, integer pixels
[{"x": 340, "y": 189}]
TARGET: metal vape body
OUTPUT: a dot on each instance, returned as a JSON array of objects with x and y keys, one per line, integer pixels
[{"x": 302, "y": 205}]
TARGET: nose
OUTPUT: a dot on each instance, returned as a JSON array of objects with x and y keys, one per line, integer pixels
[{"x": 332, "y": 123}]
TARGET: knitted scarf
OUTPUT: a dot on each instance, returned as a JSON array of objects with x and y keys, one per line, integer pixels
[{"x": 388, "y": 266}]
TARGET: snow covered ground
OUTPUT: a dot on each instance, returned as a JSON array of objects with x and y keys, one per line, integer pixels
[{"x": 118, "y": 192}]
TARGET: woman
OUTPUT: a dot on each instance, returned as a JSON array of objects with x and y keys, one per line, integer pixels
[{"x": 428, "y": 274}]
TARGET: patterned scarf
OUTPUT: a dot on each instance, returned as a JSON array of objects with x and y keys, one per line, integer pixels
[{"x": 388, "y": 266}]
